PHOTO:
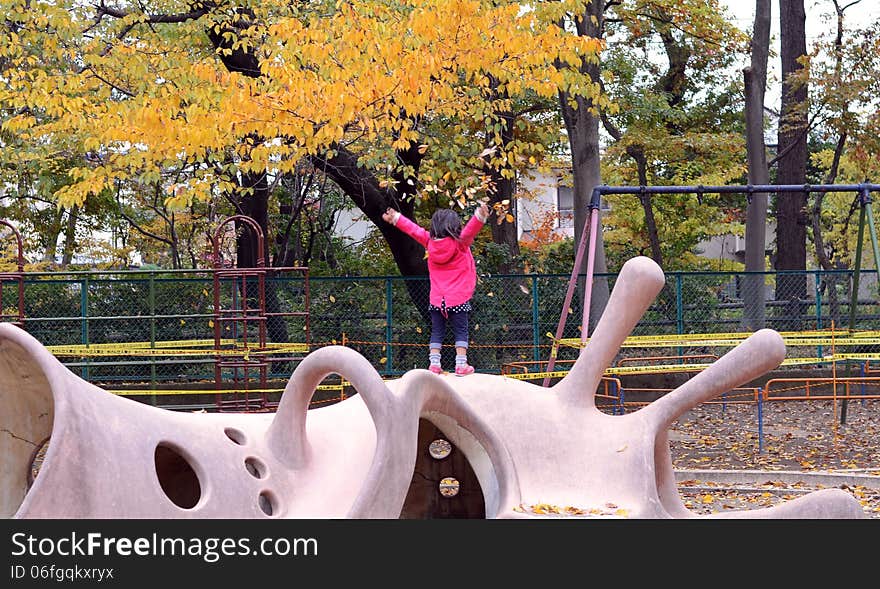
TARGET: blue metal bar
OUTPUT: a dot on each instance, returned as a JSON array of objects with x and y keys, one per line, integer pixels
[{"x": 747, "y": 189}]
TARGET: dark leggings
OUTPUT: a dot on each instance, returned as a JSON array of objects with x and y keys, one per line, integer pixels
[{"x": 459, "y": 323}]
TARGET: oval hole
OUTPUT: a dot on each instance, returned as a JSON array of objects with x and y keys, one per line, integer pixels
[
  {"x": 177, "y": 477},
  {"x": 235, "y": 435},
  {"x": 268, "y": 504},
  {"x": 255, "y": 467}
]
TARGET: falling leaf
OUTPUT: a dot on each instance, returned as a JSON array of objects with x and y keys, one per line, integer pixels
[
  {"x": 332, "y": 299},
  {"x": 418, "y": 330},
  {"x": 622, "y": 448},
  {"x": 525, "y": 289}
]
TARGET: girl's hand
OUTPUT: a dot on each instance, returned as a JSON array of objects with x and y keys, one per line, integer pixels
[
  {"x": 389, "y": 215},
  {"x": 483, "y": 211}
]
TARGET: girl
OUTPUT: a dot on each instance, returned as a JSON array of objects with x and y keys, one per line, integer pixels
[{"x": 453, "y": 277}]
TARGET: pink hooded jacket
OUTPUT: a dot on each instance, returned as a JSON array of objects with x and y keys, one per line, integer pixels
[{"x": 451, "y": 266}]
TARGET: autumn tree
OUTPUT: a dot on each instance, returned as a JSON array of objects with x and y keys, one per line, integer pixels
[
  {"x": 234, "y": 96},
  {"x": 667, "y": 69}
]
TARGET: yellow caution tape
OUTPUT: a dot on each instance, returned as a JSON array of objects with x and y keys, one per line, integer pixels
[
  {"x": 663, "y": 342},
  {"x": 329, "y": 387},
  {"x": 85, "y": 351}
]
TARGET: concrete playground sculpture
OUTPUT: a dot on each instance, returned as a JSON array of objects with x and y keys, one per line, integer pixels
[{"x": 111, "y": 457}]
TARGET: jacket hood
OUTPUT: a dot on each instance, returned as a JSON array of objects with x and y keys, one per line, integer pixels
[{"x": 440, "y": 251}]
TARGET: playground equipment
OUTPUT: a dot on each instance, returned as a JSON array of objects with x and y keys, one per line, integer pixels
[
  {"x": 110, "y": 457},
  {"x": 245, "y": 319},
  {"x": 591, "y": 227},
  {"x": 16, "y": 277}
]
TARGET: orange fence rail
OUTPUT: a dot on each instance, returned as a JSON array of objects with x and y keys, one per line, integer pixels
[
  {"x": 821, "y": 389},
  {"x": 666, "y": 359}
]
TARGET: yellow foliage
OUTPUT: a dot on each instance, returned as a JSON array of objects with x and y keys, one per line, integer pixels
[{"x": 145, "y": 96}]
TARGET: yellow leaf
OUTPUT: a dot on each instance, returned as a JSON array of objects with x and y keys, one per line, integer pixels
[
  {"x": 332, "y": 299},
  {"x": 210, "y": 323},
  {"x": 707, "y": 499},
  {"x": 418, "y": 330}
]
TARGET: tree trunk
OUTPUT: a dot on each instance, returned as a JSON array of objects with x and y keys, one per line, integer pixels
[
  {"x": 583, "y": 136},
  {"x": 755, "y": 80},
  {"x": 791, "y": 216},
  {"x": 502, "y": 189},
  {"x": 363, "y": 188},
  {"x": 52, "y": 233},
  {"x": 70, "y": 237},
  {"x": 638, "y": 154}
]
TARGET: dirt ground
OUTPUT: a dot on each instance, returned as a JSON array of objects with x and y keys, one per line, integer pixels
[{"x": 790, "y": 437}]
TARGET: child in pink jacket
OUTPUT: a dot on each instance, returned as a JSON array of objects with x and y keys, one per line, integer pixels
[{"x": 453, "y": 277}]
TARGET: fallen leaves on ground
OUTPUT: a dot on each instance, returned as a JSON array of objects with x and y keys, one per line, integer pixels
[{"x": 798, "y": 435}]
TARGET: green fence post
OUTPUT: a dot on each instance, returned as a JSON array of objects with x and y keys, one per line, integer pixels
[
  {"x": 152, "y": 300},
  {"x": 679, "y": 310},
  {"x": 536, "y": 328},
  {"x": 84, "y": 314},
  {"x": 679, "y": 305},
  {"x": 389, "y": 357}
]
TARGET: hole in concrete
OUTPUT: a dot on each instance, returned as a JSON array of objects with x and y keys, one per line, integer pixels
[
  {"x": 26, "y": 420},
  {"x": 432, "y": 494},
  {"x": 255, "y": 467},
  {"x": 236, "y": 436},
  {"x": 268, "y": 503},
  {"x": 177, "y": 477},
  {"x": 36, "y": 462}
]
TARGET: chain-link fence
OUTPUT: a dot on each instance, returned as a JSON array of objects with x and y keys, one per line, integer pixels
[{"x": 117, "y": 314}]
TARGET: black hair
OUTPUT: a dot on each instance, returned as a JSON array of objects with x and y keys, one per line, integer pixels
[{"x": 445, "y": 223}]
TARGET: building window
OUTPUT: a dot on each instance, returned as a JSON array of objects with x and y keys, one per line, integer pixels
[{"x": 565, "y": 205}]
